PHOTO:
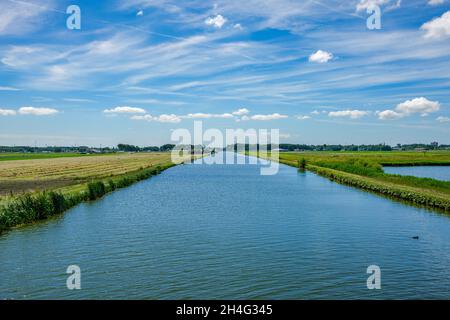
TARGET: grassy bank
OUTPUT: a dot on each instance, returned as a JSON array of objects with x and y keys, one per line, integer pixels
[
  {"x": 364, "y": 170},
  {"x": 416, "y": 195},
  {"x": 31, "y": 207},
  {"x": 35, "y": 189}
]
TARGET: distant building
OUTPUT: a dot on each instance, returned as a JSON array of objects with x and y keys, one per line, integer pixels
[{"x": 280, "y": 150}]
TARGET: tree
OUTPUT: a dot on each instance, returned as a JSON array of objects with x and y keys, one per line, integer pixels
[
  {"x": 302, "y": 164},
  {"x": 128, "y": 148},
  {"x": 167, "y": 147}
]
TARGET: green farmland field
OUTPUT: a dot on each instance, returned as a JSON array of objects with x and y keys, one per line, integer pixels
[{"x": 365, "y": 170}]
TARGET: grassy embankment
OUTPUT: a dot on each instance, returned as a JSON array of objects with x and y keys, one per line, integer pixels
[
  {"x": 32, "y": 190},
  {"x": 365, "y": 170}
]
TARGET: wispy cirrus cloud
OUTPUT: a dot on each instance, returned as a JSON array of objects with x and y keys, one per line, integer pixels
[
  {"x": 365, "y": 4},
  {"x": 267, "y": 14},
  {"x": 18, "y": 17},
  {"x": 131, "y": 60},
  {"x": 78, "y": 100},
  {"x": 443, "y": 119},
  {"x": 436, "y": 2},
  {"x": 6, "y": 88}
]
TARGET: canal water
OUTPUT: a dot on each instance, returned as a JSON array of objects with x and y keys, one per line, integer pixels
[
  {"x": 227, "y": 232},
  {"x": 435, "y": 172}
]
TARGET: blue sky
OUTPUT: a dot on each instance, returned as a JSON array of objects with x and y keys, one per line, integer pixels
[{"x": 139, "y": 69}]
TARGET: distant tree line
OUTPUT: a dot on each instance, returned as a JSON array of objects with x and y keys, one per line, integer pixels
[
  {"x": 339, "y": 147},
  {"x": 85, "y": 149},
  {"x": 131, "y": 148},
  {"x": 282, "y": 147},
  {"x": 55, "y": 149}
]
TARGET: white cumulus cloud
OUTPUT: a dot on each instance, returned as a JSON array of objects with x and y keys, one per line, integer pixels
[
  {"x": 7, "y": 112},
  {"x": 239, "y": 115},
  {"x": 170, "y": 118},
  {"x": 417, "y": 105},
  {"x": 146, "y": 117},
  {"x": 320, "y": 56},
  {"x": 303, "y": 117},
  {"x": 208, "y": 116},
  {"x": 389, "y": 115},
  {"x": 267, "y": 117},
  {"x": 217, "y": 21},
  {"x": 124, "y": 109},
  {"x": 37, "y": 111},
  {"x": 353, "y": 114},
  {"x": 164, "y": 118},
  {"x": 241, "y": 112},
  {"x": 437, "y": 28}
]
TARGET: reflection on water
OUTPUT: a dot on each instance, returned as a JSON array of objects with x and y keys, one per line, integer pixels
[{"x": 226, "y": 232}]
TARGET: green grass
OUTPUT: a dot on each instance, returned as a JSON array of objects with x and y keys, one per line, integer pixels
[
  {"x": 365, "y": 170},
  {"x": 416, "y": 195}
]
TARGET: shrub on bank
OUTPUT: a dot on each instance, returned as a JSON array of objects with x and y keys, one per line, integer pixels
[
  {"x": 302, "y": 164},
  {"x": 96, "y": 190},
  {"x": 28, "y": 208}
]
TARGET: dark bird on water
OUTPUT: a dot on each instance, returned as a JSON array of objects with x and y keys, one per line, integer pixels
[{"x": 416, "y": 237}]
